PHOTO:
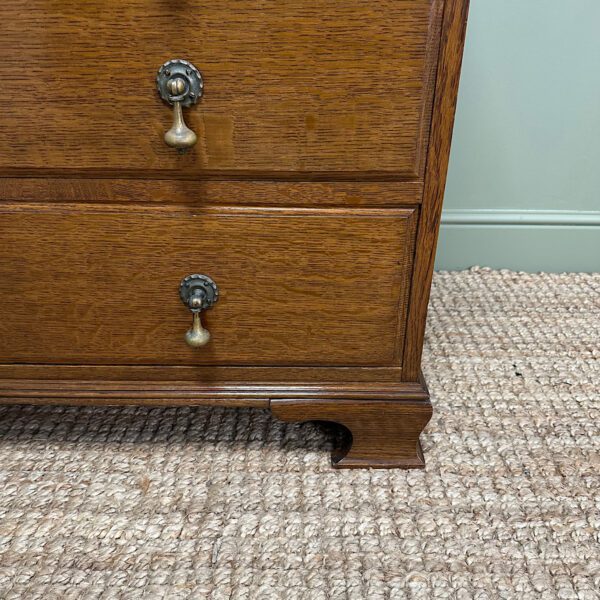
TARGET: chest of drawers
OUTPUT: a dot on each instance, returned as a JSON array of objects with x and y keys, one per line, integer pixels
[{"x": 230, "y": 203}]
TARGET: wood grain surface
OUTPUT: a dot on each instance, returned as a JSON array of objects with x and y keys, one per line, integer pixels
[
  {"x": 199, "y": 392},
  {"x": 291, "y": 87},
  {"x": 313, "y": 198},
  {"x": 448, "y": 76},
  {"x": 380, "y": 433},
  {"x": 89, "y": 284},
  {"x": 216, "y": 375},
  {"x": 352, "y": 194}
]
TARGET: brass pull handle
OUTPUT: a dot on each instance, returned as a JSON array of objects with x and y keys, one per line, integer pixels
[
  {"x": 198, "y": 293},
  {"x": 179, "y": 84},
  {"x": 180, "y": 136},
  {"x": 196, "y": 336}
]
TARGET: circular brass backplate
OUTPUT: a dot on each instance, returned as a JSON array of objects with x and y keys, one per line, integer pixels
[
  {"x": 203, "y": 283},
  {"x": 179, "y": 69}
]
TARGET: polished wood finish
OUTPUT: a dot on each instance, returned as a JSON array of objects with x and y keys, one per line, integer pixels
[
  {"x": 203, "y": 374},
  {"x": 323, "y": 194},
  {"x": 164, "y": 392},
  {"x": 96, "y": 284},
  {"x": 290, "y": 87},
  {"x": 380, "y": 433},
  {"x": 313, "y": 198},
  {"x": 453, "y": 38}
]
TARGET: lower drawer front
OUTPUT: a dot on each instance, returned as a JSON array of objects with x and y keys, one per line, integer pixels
[{"x": 86, "y": 285}]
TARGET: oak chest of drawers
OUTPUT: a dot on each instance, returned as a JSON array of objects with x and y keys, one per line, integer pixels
[{"x": 230, "y": 203}]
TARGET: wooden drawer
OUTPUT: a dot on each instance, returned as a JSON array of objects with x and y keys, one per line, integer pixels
[
  {"x": 85, "y": 284},
  {"x": 302, "y": 86}
]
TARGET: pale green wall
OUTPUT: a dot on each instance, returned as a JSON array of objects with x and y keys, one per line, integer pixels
[{"x": 523, "y": 188}]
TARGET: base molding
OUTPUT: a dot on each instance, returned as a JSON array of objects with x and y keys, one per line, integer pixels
[
  {"x": 382, "y": 422},
  {"x": 521, "y": 240},
  {"x": 38, "y": 391}
]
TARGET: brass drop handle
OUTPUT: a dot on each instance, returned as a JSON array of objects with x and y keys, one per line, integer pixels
[
  {"x": 198, "y": 293},
  {"x": 180, "y": 136},
  {"x": 179, "y": 84},
  {"x": 197, "y": 335}
]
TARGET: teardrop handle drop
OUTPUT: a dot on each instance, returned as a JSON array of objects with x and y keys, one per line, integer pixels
[
  {"x": 180, "y": 136},
  {"x": 197, "y": 336}
]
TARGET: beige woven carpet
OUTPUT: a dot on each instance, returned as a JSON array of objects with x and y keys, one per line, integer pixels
[{"x": 210, "y": 503}]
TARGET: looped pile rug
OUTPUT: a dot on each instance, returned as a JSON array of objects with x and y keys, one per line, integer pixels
[{"x": 231, "y": 504}]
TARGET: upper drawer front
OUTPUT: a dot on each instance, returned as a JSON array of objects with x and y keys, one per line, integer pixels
[
  {"x": 301, "y": 86},
  {"x": 95, "y": 285}
]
